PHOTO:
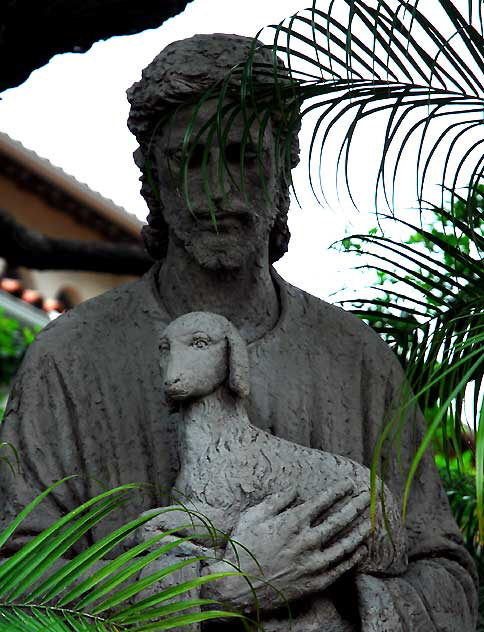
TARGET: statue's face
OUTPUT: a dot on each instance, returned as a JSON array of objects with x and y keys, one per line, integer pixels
[{"x": 244, "y": 217}]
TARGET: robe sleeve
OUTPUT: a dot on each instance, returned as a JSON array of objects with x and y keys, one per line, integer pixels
[
  {"x": 438, "y": 591},
  {"x": 40, "y": 422},
  {"x": 81, "y": 405}
]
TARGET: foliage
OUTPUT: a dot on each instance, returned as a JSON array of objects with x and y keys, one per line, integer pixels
[
  {"x": 439, "y": 276},
  {"x": 14, "y": 339},
  {"x": 390, "y": 58},
  {"x": 443, "y": 227},
  {"x": 89, "y": 592},
  {"x": 354, "y": 62},
  {"x": 461, "y": 490},
  {"x": 431, "y": 312}
]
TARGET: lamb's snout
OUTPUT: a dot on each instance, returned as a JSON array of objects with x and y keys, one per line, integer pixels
[
  {"x": 174, "y": 389},
  {"x": 179, "y": 381},
  {"x": 193, "y": 357},
  {"x": 195, "y": 371}
]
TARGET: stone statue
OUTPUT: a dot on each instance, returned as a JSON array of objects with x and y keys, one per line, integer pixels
[{"x": 88, "y": 399}]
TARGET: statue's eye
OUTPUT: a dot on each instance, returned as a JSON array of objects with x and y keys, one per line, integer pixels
[
  {"x": 233, "y": 151},
  {"x": 200, "y": 343},
  {"x": 192, "y": 154}
]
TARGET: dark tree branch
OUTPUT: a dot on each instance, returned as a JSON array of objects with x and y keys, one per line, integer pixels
[
  {"x": 21, "y": 246},
  {"x": 33, "y": 31}
]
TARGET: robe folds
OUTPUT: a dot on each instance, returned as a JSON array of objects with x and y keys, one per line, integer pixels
[{"x": 88, "y": 400}]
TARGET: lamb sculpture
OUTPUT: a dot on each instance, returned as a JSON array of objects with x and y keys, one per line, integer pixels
[{"x": 227, "y": 465}]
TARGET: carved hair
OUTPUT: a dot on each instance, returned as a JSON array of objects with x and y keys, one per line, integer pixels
[{"x": 181, "y": 72}]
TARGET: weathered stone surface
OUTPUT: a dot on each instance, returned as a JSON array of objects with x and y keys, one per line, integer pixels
[
  {"x": 228, "y": 466},
  {"x": 89, "y": 401}
]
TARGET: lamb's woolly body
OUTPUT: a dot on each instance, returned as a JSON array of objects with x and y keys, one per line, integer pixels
[{"x": 228, "y": 465}]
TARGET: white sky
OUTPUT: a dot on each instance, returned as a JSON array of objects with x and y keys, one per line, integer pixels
[{"x": 73, "y": 112}]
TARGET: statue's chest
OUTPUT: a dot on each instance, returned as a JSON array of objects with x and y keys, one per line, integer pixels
[{"x": 307, "y": 396}]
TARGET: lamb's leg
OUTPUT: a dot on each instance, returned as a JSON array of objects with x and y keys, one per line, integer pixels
[
  {"x": 186, "y": 526},
  {"x": 187, "y": 573},
  {"x": 317, "y": 614}
]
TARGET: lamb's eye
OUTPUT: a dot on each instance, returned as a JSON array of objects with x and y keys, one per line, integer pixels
[{"x": 199, "y": 343}]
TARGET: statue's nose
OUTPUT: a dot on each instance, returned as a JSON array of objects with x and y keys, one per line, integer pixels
[
  {"x": 219, "y": 179},
  {"x": 175, "y": 387}
]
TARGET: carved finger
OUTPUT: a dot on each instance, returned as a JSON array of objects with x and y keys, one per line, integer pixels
[
  {"x": 327, "y": 578},
  {"x": 270, "y": 506},
  {"x": 312, "y": 509},
  {"x": 340, "y": 519},
  {"x": 344, "y": 547}
]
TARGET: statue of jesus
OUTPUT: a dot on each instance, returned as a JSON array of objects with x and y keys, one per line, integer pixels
[{"x": 88, "y": 397}]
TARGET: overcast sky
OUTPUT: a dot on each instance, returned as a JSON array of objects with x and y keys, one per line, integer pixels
[{"x": 74, "y": 110}]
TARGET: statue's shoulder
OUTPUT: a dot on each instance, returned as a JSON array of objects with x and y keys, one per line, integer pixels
[
  {"x": 95, "y": 319},
  {"x": 343, "y": 329}
]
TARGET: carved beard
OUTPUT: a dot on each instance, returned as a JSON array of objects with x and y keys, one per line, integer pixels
[{"x": 227, "y": 249}]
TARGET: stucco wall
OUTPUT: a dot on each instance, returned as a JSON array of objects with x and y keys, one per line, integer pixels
[
  {"x": 33, "y": 212},
  {"x": 84, "y": 284}
]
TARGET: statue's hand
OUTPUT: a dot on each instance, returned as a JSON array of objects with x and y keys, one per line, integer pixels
[
  {"x": 182, "y": 524},
  {"x": 302, "y": 549}
]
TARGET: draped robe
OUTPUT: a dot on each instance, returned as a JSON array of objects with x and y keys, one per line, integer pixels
[{"x": 88, "y": 400}]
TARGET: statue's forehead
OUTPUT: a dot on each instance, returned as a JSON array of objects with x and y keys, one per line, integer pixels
[
  {"x": 182, "y": 118},
  {"x": 197, "y": 322}
]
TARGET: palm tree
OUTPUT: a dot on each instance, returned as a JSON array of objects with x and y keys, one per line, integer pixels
[{"x": 424, "y": 72}]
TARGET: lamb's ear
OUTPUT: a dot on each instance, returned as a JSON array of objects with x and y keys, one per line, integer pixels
[{"x": 238, "y": 363}]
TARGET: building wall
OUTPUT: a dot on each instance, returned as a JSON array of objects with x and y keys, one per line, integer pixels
[
  {"x": 31, "y": 211},
  {"x": 81, "y": 285}
]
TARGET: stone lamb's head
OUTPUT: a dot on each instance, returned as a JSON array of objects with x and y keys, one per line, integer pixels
[{"x": 200, "y": 351}]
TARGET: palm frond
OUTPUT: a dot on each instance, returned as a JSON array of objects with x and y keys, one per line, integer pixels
[
  {"x": 357, "y": 63},
  {"x": 90, "y": 592},
  {"x": 434, "y": 320},
  {"x": 392, "y": 59}
]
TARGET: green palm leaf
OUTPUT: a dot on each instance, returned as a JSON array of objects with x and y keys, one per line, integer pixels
[
  {"x": 392, "y": 58},
  {"x": 352, "y": 62},
  {"x": 89, "y": 592},
  {"x": 435, "y": 323}
]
